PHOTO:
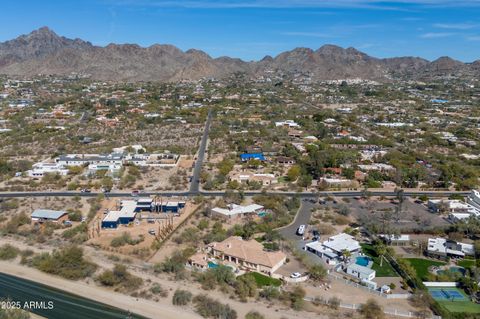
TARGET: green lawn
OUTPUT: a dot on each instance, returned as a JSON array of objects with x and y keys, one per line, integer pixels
[
  {"x": 263, "y": 280},
  {"x": 386, "y": 270},
  {"x": 466, "y": 263},
  {"x": 421, "y": 266}
]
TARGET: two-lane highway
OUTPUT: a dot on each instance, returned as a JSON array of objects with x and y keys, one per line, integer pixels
[
  {"x": 222, "y": 193},
  {"x": 195, "y": 184}
]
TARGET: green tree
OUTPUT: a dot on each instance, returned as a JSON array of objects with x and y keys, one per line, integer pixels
[
  {"x": 317, "y": 272},
  {"x": 293, "y": 173}
]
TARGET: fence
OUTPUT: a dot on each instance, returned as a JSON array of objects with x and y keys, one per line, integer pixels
[
  {"x": 290, "y": 280},
  {"x": 357, "y": 285},
  {"x": 391, "y": 312},
  {"x": 370, "y": 290}
]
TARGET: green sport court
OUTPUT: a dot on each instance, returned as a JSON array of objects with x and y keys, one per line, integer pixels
[
  {"x": 453, "y": 299},
  {"x": 447, "y": 293}
]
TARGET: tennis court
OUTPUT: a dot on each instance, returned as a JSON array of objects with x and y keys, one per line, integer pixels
[{"x": 446, "y": 293}]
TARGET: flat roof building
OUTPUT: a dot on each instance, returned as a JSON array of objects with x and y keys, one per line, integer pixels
[{"x": 43, "y": 215}]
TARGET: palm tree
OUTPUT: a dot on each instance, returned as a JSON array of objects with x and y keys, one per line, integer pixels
[
  {"x": 381, "y": 250},
  {"x": 346, "y": 254}
]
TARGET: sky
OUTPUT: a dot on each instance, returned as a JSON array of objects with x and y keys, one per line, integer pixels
[{"x": 251, "y": 29}]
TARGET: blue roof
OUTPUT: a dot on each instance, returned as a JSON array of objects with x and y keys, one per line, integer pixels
[
  {"x": 48, "y": 213},
  {"x": 248, "y": 156},
  {"x": 438, "y": 101}
]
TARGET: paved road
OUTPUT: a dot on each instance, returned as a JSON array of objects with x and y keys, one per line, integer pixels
[
  {"x": 302, "y": 218},
  {"x": 195, "y": 184},
  {"x": 222, "y": 193},
  {"x": 65, "y": 305}
]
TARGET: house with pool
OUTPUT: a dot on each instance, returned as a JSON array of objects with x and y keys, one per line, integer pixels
[
  {"x": 332, "y": 249},
  {"x": 248, "y": 255}
]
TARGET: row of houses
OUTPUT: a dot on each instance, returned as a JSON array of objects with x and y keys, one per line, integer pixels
[
  {"x": 112, "y": 163},
  {"x": 457, "y": 210}
]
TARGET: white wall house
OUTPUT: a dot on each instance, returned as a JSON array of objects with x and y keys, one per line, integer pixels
[
  {"x": 40, "y": 169},
  {"x": 361, "y": 272},
  {"x": 234, "y": 211},
  {"x": 85, "y": 159},
  {"x": 449, "y": 248},
  {"x": 332, "y": 249},
  {"x": 110, "y": 168}
]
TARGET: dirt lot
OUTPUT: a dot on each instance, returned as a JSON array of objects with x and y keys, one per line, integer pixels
[
  {"x": 413, "y": 215},
  {"x": 28, "y": 205},
  {"x": 140, "y": 229}
]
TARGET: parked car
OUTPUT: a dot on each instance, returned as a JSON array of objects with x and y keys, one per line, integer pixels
[
  {"x": 295, "y": 275},
  {"x": 135, "y": 192},
  {"x": 85, "y": 190},
  {"x": 301, "y": 230},
  {"x": 151, "y": 231}
]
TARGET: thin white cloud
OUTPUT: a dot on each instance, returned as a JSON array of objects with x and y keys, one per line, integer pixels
[
  {"x": 455, "y": 26},
  {"x": 436, "y": 35}
]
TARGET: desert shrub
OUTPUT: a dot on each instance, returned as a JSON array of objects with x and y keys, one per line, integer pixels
[
  {"x": 8, "y": 252},
  {"x": 16, "y": 221},
  {"x": 254, "y": 315},
  {"x": 67, "y": 262},
  {"x": 157, "y": 289},
  {"x": 181, "y": 297},
  {"x": 119, "y": 277},
  {"x": 210, "y": 308},
  {"x": 270, "y": 293},
  {"x": 334, "y": 303},
  {"x": 124, "y": 239},
  {"x": 371, "y": 310}
]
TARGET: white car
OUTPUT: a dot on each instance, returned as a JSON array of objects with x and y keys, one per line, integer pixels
[
  {"x": 295, "y": 275},
  {"x": 301, "y": 230}
]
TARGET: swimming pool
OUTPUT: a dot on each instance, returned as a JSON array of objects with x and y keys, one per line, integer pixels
[
  {"x": 211, "y": 264},
  {"x": 362, "y": 261},
  {"x": 454, "y": 270},
  {"x": 262, "y": 214}
]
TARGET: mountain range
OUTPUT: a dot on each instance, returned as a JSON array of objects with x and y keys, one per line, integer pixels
[{"x": 44, "y": 52}]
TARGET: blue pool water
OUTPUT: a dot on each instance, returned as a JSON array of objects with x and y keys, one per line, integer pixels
[
  {"x": 362, "y": 261},
  {"x": 262, "y": 214},
  {"x": 211, "y": 264},
  {"x": 459, "y": 270}
]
